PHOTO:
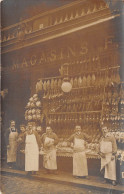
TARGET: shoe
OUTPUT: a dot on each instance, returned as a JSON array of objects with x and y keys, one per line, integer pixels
[
  {"x": 29, "y": 174},
  {"x": 86, "y": 177},
  {"x": 113, "y": 183},
  {"x": 76, "y": 177},
  {"x": 34, "y": 173},
  {"x": 106, "y": 181}
]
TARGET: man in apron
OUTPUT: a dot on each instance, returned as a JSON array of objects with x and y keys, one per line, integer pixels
[
  {"x": 32, "y": 146},
  {"x": 11, "y": 142},
  {"x": 80, "y": 168},
  {"x": 107, "y": 151},
  {"x": 49, "y": 140}
]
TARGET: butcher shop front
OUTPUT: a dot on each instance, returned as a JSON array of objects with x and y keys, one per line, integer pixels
[{"x": 62, "y": 68}]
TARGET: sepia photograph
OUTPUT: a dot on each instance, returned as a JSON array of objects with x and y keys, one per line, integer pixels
[{"x": 62, "y": 97}]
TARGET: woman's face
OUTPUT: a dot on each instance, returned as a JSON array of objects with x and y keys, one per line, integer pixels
[{"x": 22, "y": 128}]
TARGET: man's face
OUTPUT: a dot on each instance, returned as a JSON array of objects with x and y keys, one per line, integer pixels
[
  {"x": 39, "y": 129},
  {"x": 12, "y": 124},
  {"x": 78, "y": 130},
  {"x": 105, "y": 131},
  {"x": 29, "y": 127},
  {"x": 34, "y": 128},
  {"x": 48, "y": 130}
]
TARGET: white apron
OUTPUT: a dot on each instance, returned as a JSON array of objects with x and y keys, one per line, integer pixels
[
  {"x": 12, "y": 150},
  {"x": 107, "y": 163},
  {"x": 79, "y": 158},
  {"x": 49, "y": 159},
  {"x": 31, "y": 154}
]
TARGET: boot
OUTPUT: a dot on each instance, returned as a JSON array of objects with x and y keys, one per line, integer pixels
[{"x": 114, "y": 183}]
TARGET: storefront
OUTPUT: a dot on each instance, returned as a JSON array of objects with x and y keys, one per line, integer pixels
[{"x": 83, "y": 36}]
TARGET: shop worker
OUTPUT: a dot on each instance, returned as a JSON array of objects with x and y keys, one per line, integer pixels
[
  {"x": 107, "y": 151},
  {"x": 11, "y": 136},
  {"x": 79, "y": 139},
  {"x": 21, "y": 148},
  {"x": 49, "y": 140},
  {"x": 32, "y": 146}
]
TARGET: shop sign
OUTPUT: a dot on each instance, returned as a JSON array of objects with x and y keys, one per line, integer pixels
[{"x": 49, "y": 56}]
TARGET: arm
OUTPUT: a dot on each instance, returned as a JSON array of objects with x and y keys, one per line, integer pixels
[
  {"x": 42, "y": 139},
  {"x": 114, "y": 146},
  {"x": 7, "y": 137},
  {"x": 17, "y": 136},
  {"x": 38, "y": 139},
  {"x": 71, "y": 138},
  {"x": 56, "y": 140},
  {"x": 22, "y": 138},
  {"x": 102, "y": 155},
  {"x": 87, "y": 137},
  {"x": 19, "y": 139}
]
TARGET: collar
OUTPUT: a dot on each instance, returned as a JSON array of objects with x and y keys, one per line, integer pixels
[{"x": 13, "y": 129}]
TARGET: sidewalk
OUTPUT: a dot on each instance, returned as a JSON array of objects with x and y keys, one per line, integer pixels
[{"x": 67, "y": 179}]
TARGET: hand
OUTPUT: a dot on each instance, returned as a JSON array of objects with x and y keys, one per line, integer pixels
[
  {"x": 22, "y": 151},
  {"x": 47, "y": 146},
  {"x": 102, "y": 155},
  {"x": 20, "y": 139},
  {"x": 50, "y": 144},
  {"x": 112, "y": 158}
]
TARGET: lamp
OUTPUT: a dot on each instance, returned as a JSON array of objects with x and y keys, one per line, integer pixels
[
  {"x": 66, "y": 86},
  {"x": 64, "y": 71}
]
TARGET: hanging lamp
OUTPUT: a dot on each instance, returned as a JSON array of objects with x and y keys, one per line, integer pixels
[{"x": 64, "y": 71}]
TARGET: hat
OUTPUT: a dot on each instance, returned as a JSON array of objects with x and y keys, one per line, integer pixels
[{"x": 12, "y": 121}]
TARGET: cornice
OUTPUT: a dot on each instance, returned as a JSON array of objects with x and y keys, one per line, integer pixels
[
  {"x": 44, "y": 14},
  {"x": 58, "y": 30}
]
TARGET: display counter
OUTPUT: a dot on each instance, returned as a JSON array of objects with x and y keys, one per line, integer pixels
[{"x": 90, "y": 155}]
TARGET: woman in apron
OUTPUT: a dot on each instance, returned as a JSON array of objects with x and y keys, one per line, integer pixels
[
  {"x": 11, "y": 141},
  {"x": 107, "y": 151},
  {"x": 80, "y": 168}
]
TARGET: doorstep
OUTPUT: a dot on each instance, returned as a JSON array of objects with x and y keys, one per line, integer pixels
[{"x": 67, "y": 179}]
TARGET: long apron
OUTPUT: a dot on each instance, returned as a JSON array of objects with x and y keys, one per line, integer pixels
[
  {"x": 49, "y": 158},
  {"x": 31, "y": 154},
  {"x": 79, "y": 158},
  {"x": 107, "y": 163},
  {"x": 12, "y": 150}
]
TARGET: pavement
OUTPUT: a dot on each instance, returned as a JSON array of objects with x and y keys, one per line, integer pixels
[
  {"x": 63, "y": 178},
  {"x": 20, "y": 185}
]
